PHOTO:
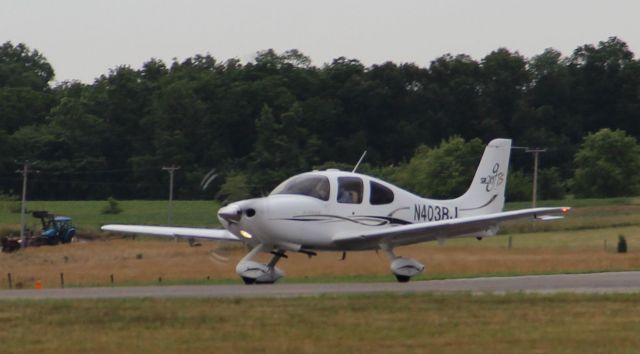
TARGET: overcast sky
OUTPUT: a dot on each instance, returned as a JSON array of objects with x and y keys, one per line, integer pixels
[{"x": 83, "y": 39}]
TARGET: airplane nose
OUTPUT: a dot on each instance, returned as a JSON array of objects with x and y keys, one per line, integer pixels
[{"x": 230, "y": 213}]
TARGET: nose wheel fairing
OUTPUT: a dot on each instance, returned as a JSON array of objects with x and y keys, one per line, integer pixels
[
  {"x": 253, "y": 272},
  {"x": 403, "y": 268},
  {"x": 258, "y": 273}
]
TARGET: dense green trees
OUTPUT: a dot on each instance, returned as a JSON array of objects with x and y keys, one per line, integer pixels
[
  {"x": 259, "y": 122},
  {"x": 607, "y": 164}
]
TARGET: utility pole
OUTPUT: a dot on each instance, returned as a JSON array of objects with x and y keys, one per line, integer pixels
[
  {"x": 536, "y": 157},
  {"x": 23, "y": 205},
  {"x": 171, "y": 169},
  {"x": 536, "y": 153}
]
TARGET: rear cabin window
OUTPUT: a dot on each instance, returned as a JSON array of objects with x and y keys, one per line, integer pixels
[
  {"x": 312, "y": 186},
  {"x": 380, "y": 194},
  {"x": 350, "y": 190}
]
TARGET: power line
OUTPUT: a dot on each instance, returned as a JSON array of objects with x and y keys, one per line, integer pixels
[{"x": 117, "y": 170}]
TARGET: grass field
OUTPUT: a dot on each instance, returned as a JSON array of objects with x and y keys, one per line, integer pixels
[
  {"x": 88, "y": 217},
  {"x": 457, "y": 323}
]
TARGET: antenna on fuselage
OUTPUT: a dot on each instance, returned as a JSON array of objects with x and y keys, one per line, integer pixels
[{"x": 358, "y": 164}]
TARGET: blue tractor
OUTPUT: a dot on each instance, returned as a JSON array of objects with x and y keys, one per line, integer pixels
[{"x": 55, "y": 229}]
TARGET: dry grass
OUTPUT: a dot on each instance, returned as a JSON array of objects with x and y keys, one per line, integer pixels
[
  {"x": 337, "y": 324},
  {"x": 143, "y": 261}
]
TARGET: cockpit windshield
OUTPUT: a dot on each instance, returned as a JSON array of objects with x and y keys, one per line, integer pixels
[{"x": 310, "y": 185}]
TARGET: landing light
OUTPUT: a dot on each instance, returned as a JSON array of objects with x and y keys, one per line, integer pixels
[
  {"x": 565, "y": 210},
  {"x": 245, "y": 234}
]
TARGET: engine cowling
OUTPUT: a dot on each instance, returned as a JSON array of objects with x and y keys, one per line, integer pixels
[
  {"x": 258, "y": 273},
  {"x": 405, "y": 268}
]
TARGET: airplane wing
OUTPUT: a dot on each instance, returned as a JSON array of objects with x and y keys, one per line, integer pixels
[
  {"x": 481, "y": 225},
  {"x": 175, "y": 232}
]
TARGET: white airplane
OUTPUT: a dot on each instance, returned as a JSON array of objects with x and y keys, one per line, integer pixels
[{"x": 334, "y": 210}]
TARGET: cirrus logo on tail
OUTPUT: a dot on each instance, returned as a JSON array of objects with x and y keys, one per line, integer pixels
[{"x": 495, "y": 179}]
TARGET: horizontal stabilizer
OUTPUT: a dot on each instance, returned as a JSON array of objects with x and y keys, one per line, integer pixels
[{"x": 549, "y": 217}]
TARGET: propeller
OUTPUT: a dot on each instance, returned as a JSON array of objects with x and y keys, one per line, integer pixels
[
  {"x": 219, "y": 255},
  {"x": 208, "y": 178}
]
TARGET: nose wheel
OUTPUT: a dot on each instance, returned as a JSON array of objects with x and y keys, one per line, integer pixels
[
  {"x": 248, "y": 281},
  {"x": 252, "y": 272}
]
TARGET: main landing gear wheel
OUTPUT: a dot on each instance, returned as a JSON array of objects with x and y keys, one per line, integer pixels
[{"x": 403, "y": 278}]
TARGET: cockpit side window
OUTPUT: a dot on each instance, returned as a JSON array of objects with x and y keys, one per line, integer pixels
[
  {"x": 312, "y": 186},
  {"x": 380, "y": 194},
  {"x": 350, "y": 190}
]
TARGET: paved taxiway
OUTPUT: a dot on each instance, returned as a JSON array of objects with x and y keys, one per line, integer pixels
[{"x": 614, "y": 282}]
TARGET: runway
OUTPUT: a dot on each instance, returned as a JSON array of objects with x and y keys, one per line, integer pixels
[{"x": 594, "y": 283}]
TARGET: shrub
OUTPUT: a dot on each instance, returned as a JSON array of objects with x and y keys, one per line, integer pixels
[
  {"x": 550, "y": 184},
  {"x": 112, "y": 207},
  {"x": 622, "y": 244},
  {"x": 234, "y": 188}
]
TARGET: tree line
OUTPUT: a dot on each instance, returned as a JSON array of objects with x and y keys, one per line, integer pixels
[{"x": 260, "y": 122}]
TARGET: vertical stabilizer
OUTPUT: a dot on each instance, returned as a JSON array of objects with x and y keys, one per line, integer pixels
[{"x": 487, "y": 191}]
